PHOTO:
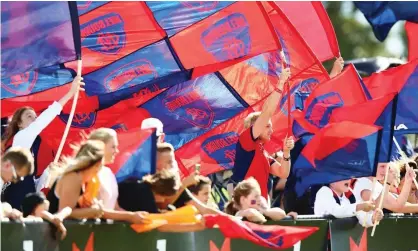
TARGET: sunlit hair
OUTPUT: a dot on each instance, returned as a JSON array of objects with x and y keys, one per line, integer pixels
[
  {"x": 250, "y": 119},
  {"x": 20, "y": 158},
  {"x": 87, "y": 155},
  {"x": 164, "y": 147},
  {"x": 102, "y": 134},
  {"x": 243, "y": 189},
  {"x": 164, "y": 183},
  {"x": 201, "y": 181},
  {"x": 13, "y": 126}
]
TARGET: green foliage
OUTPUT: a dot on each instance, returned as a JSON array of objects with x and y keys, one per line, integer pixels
[{"x": 356, "y": 40}]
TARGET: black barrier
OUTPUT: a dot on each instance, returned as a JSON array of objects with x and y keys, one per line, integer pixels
[{"x": 392, "y": 234}]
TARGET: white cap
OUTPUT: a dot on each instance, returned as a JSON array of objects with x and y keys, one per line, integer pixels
[{"x": 151, "y": 123}]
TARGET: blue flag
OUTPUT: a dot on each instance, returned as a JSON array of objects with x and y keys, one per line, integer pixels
[
  {"x": 383, "y": 15},
  {"x": 38, "y": 34}
]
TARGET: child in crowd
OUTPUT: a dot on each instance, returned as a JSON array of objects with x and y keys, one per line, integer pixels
[
  {"x": 248, "y": 203},
  {"x": 35, "y": 207},
  {"x": 332, "y": 200}
]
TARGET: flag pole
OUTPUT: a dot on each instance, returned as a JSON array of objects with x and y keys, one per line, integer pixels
[
  {"x": 382, "y": 198},
  {"x": 67, "y": 128},
  {"x": 70, "y": 117}
]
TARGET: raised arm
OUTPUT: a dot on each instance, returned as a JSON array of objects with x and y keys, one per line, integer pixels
[{"x": 270, "y": 106}]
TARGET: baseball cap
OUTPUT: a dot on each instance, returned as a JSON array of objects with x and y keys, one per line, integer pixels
[{"x": 151, "y": 123}]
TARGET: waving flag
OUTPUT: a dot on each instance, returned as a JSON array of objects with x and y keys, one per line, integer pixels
[
  {"x": 137, "y": 157},
  {"x": 403, "y": 80},
  {"x": 343, "y": 90},
  {"x": 383, "y": 15},
  {"x": 380, "y": 112},
  {"x": 315, "y": 27},
  {"x": 411, "y": 32},
  {"x": 274, "y": 237},
  {"x": 339, "y": 151},
  {"x": 37, "y": 34}
]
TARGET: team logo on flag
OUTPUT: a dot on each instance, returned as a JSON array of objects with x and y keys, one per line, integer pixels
[
  {"x": 135, "y": 72},
  {"x": 20, "y": 84},
  {"x": 274, "y": 60},
  {"x": 189, "y": 105},
  {"x": 304, "y": 86},
  {"x": 320, "y": 109},
  {"x": 228, "y": 38},
  {"x": 221, "y": 148},
  {"x": 80, "y": 120},
  {"x": 200, "y": 5},
  {"x": 104, "y": 34}
]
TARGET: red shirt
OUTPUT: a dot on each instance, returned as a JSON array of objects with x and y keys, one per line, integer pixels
[{"x": 251, "y": 160}]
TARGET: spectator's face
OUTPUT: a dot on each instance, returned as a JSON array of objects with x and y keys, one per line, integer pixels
[
  {"x": 381, "y": 170},
  {"x": 111, "y": 150},
  {"x": 27, "y": 118},
  {"x": 204, "y": 193},
  {"x": 253, "y": 200},
  {"x": 266, "y": 134},
  {"x": 166, "y": 160},
  {"x": 342, "y": 186},
  {"x": 10, "y": 174}
]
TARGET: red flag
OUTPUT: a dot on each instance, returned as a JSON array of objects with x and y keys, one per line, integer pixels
[
  {"x": 236, "y": 31},
  {"x": 273, "y": 236},
  {"x": 412, "y": 34},
  {"x": 315, "y": 27},
  {"x": 335, "y": 136}
]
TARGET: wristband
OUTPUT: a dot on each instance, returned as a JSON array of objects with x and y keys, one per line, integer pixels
[{"x": 286, "y": 159}]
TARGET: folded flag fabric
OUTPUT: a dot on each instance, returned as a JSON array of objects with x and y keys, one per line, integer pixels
[
  {"x": 273, "y": 236},
  {"x": 382, "y": 15}
]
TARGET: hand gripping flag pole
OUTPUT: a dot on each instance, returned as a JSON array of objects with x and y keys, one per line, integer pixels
[{"x": 382, "y": 198}]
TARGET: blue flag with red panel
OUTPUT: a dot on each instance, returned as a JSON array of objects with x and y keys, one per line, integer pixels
[
  {"x": 137, "y": 156},
  {"x": 382, "y": 15},
  {"x": 404, "y": 81},
  {"x": 339, "y": 151},
  {"x": 36, "y": 39}
]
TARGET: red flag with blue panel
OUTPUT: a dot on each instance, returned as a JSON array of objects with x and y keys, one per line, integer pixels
[
  {"x": 274, "y": 237},
  {"x": 338, "y": 151}
]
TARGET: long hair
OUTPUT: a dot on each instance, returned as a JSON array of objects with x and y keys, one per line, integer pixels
[
  {"x": 243, "y": 189},
  {"x": 13, "y": 126},
  {"x": 87, "y": 155}
]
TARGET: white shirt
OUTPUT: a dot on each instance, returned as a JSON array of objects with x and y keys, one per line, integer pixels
[
  {"x": 366, "y": 184},
  {"x": 108, "y": 191},
  {"x": 26, "y": 137},
  {"x": 325, "y": 204}
]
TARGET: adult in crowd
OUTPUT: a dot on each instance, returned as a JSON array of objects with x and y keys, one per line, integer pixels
[
  {"x": 332, "y": 200},
  {"x": 147, "y": 193},
  {"x": 251, "y": 160},
  {"x": 247, "y": 202},
  {"x": 16, "y": 163},
  {"x": 23, "y": 130},
  {"x": 78, "y": 171}
]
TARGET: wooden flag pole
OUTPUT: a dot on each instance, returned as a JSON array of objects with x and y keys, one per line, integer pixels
[
  {"x": 382, "y": 198},
  {"x": 70, "y": 117}
]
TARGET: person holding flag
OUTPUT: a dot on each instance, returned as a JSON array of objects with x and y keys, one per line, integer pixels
[{"x": 251, "y": 159}]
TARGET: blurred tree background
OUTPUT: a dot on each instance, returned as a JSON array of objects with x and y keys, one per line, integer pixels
[{"x": 355, "y": 36}]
